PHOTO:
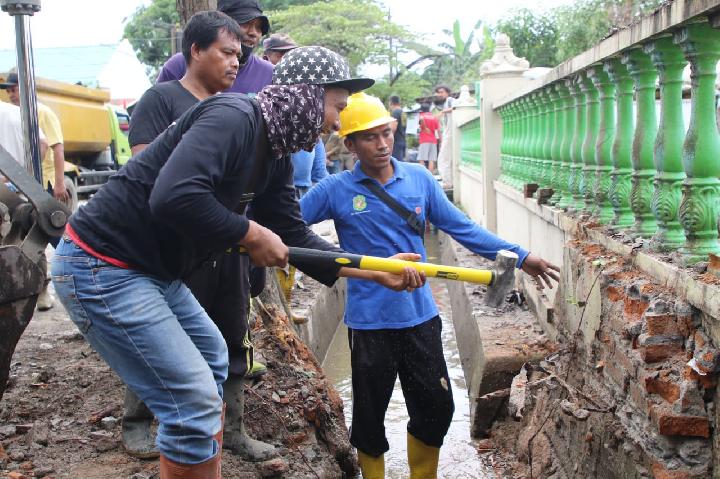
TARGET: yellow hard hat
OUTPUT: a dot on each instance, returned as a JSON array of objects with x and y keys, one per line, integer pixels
[{"x": 362, "y": 113}]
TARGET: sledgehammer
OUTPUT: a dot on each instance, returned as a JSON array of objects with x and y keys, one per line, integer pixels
[{"x": 499, "y": 281}]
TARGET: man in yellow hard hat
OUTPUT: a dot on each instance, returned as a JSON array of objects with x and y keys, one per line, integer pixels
[{"x": 380, "y": 208}]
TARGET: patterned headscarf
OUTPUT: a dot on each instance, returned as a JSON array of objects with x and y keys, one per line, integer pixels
[{"x": 294, "y": 115}]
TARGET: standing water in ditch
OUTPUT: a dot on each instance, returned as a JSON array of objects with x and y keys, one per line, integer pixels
[{"x": 458, "y": 457}]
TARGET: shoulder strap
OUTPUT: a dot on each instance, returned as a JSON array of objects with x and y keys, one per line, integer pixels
[{"x": 410, "y": 218}]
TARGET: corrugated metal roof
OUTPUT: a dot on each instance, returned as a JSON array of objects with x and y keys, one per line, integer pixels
[{"x": 68, "y": 64}]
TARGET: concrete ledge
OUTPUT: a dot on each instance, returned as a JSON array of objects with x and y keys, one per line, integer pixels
[
  {"x": 324, "y": 316},
  {"x": 704, "y": 296},
  {"x": 468, "y": 116},
  {"x": 493, "y": 344},
  {"x": 470, "y": 172}
]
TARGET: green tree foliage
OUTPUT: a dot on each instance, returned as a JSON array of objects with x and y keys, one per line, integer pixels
[
  {"x": 533, "y": 36},
  {"x": 357, "y": 29},
  {"x": 585, "y": 23},
  {"x": 460, "y": 60},
  {"x": 282, "y": 4},
  {"x": 409, "y": 86},
  {"x": 549, "y": 38},
  {"x": 149, "y": 32}
]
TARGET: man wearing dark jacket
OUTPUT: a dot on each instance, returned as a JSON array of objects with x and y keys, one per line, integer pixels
[
  {"x": 211, "y": 44},
  {"x": 118, "y": 269}
]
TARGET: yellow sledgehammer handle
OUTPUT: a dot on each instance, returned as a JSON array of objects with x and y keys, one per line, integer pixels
[{"x": 373, "y": 263}]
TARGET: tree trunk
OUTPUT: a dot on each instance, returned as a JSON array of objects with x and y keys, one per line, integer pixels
[{"x": 187, "y": 8}]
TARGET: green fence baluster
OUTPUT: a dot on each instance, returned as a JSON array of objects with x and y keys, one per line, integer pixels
[
  {"x": 548, "y": 168},
  {"x": 566, "y": 134},
  {"x": 605, "y": 139},
  {"x": 701, "y": 149},
  {"x": 670, "y": 62},
  {"x": 533, "y": 158},
  {"x": 576, "y": 177},
  {"x": 470, "y": 147},
  {"x": 525, "y": 164},
  {"x": 505, "y": 120},
  {"x": 510, "y": 158},
  {"x": 644, "y": 75},
  {"x": 555, "y": 142},
  {"x": 516, "y": 142},
  {"x": 592, "y": 118},
  {"x": 622, "y": 147}
]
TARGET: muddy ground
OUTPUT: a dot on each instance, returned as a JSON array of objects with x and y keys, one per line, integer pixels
[{"x": 60, "y": 416}]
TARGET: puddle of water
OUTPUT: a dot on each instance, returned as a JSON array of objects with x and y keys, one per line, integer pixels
[{"x": 458, "y": 457}]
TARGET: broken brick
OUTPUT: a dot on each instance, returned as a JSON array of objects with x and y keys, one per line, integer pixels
[
  {"x": 670, "y": 423},
  {"x": 690, "y": 400},
  {"x": 661, "y": 324},
  {"x": 707, "y": 359},
  {"x": 661, "y": 472},
  {"x": 659, "y": 348},
  {"x": 614, "y": 293},
  {"x": 663, "y": 385},
  {"x": 700, "y": 339},
  {"x": 633, "y": 309},
  {"x": 708, "y": 381}
]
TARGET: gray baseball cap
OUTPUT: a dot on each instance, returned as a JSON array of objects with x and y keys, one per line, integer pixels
[
  {"x": 279, "y": 42},
  {"x": 11, "y": 80}
]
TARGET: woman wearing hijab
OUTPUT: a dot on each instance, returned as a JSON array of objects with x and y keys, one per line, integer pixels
[{"x": 117, "y": 269}]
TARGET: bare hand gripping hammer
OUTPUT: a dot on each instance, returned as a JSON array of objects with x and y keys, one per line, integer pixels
[{"x": 499, "y": 281}]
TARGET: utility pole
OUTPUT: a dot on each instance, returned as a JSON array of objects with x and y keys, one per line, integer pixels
[{"x": 187, "y": 8}]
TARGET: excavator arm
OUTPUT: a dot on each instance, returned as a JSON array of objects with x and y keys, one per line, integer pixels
[{"x": 27, "y": 223}]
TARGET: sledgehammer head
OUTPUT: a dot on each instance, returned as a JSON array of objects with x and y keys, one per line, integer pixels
[{"x": 505, "y": 263}]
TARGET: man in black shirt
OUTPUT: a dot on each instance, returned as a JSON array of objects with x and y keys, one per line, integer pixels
[
  {"x": 211, "y": 43},
  {"x": 119, "y": 266},
  {"x": 398, "y": 128}
]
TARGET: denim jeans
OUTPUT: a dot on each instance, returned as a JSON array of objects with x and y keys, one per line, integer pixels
[{"x": 157, "y": 338}]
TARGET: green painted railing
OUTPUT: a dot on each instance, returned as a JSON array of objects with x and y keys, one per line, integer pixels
[
  {"x": 470, "y": 144},
  {"x": 649, "y": 177}
]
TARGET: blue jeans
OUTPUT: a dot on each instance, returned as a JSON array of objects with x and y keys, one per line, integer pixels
[{"x": 157, "y": 338}]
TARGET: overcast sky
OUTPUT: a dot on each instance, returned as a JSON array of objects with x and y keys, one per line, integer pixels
[{"x": 91, "y": 22}]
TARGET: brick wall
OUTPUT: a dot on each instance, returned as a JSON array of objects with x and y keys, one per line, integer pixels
[{"x": 625, "y": 355}]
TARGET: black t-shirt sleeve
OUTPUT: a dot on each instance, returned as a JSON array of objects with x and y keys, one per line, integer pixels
[
  {"x": 206, "y": 158},
  {"x": 397, "y": 113},
  {"x": 151, "y": 116},
  {"x": 277, "y": 208}
]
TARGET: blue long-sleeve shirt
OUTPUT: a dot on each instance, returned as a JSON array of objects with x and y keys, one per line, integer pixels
[
  {"x": 309, "y": 165},
  {"x": 365, "y": 225}
]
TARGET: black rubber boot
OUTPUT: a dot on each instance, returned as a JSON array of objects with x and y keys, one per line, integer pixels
[
  {"x": 236, "y": 439},
  {"x": 137, "y": 437}
]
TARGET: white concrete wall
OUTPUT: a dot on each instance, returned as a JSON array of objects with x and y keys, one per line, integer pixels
[{"x": 471, "y": 196}]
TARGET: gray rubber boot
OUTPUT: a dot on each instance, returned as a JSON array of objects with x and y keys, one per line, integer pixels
[
  {"x": 235, "y": 438},
  {"x": 137, "y": 437}
]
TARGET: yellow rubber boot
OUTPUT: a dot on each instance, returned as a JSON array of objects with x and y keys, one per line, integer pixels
[
  {"x": 422, "y": 459},
  {"x": 371, "y": 467}
]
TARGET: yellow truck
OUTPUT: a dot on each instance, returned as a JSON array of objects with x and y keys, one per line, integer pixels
[{"x": 94, "y": 133}]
